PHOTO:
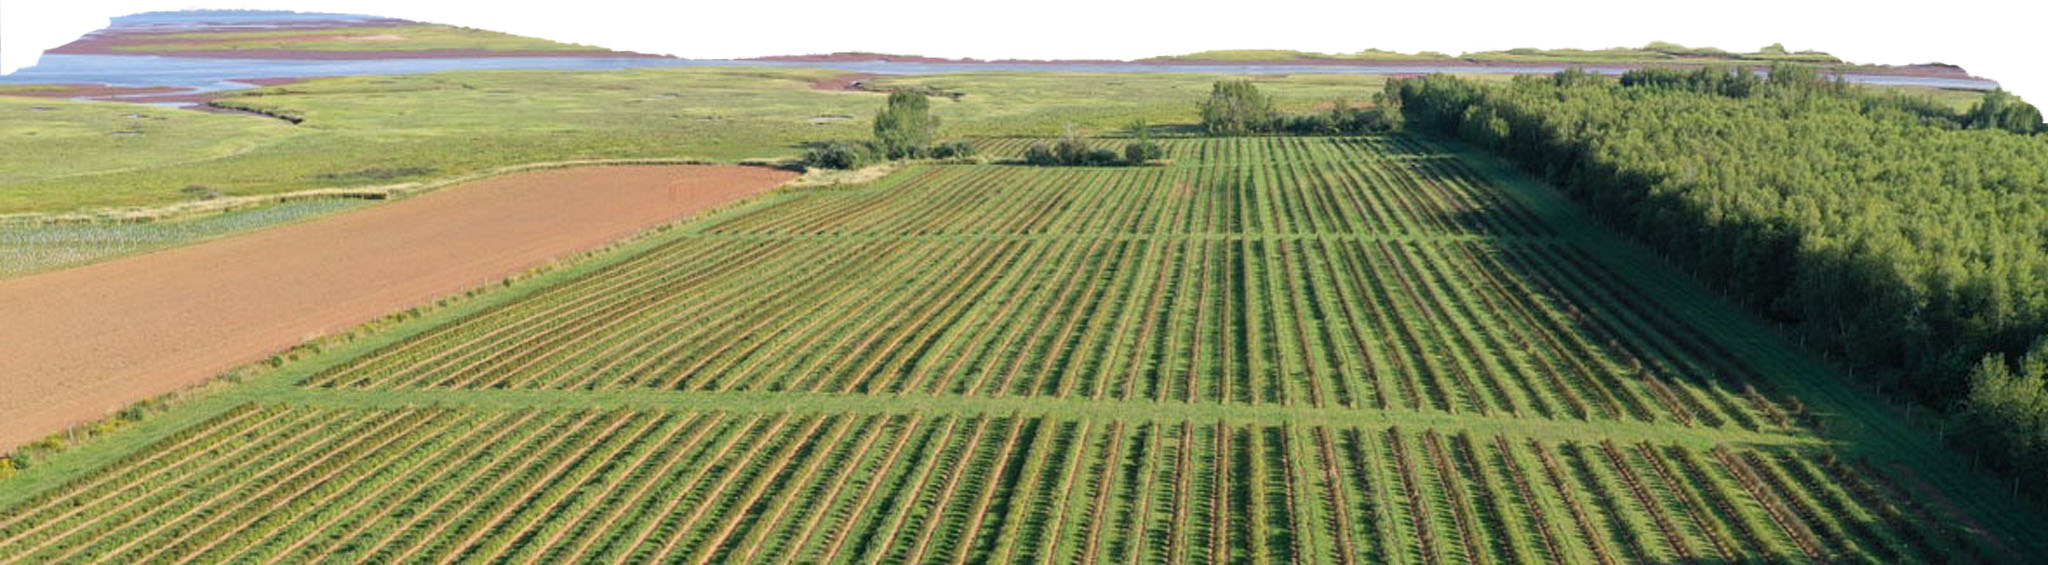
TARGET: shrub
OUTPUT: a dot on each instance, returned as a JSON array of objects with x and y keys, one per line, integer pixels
[
  {"x": 1041, "y": 155},
  {"x": 1139, "y": 152},
  {"x": 1070, "y": 150},
  {"x": 1099, "y": 158},
  {"x": 951, "y": 150},
  {"x": 839, "y": 154}
]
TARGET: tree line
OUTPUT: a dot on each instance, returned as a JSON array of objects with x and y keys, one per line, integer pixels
[
  {"x": 1237, "y": 107},
  {"x": 905, "y": 128},
  {"x": 1906, "y": 237},
  {"x": 1072, "y": 150}
]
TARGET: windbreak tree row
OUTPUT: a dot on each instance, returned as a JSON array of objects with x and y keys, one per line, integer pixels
[{"x": 1906, "y": 239}]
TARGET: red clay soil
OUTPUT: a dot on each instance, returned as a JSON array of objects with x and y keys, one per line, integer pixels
[{"x": 80, "y": 343}]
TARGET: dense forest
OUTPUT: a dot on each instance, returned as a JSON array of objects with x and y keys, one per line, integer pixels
[{"x": 1905, "y": 238}]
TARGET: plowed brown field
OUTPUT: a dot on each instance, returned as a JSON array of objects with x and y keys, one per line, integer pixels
[{"x": 80, "y": 343}]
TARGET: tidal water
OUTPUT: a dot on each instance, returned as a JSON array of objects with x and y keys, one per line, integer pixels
[{"x": 221, "y": 74}]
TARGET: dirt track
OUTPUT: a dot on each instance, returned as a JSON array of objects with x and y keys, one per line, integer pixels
[{"x": 78, "y": 344}]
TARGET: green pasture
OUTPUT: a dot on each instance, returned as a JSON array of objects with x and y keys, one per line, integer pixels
[{"x": 359, "y": 131}]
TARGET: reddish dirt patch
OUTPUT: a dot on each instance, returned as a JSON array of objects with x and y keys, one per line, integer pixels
[
  {"x": 80, "y": 343},
  {"x": 843, "y": 82}
]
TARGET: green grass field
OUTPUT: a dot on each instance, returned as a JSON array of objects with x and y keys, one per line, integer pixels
[
  {"x": 1273, "y": 350},
  {"x": 381, "y": 130},
  {"x": 30, "y": 247}
]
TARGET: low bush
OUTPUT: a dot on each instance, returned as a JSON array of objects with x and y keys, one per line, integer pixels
[
  {"x": 1075, "y": 152},
  {"x": 1041, "y": 155},
  {"x": 1139, "y": 152},
  {"x": 951, "y": 150},
  {"x": 841, "y": 154},
  {"x": 1100, "y": 158}
]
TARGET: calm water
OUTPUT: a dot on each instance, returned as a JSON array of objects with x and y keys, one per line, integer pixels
[{"x": 220, "y": 74}]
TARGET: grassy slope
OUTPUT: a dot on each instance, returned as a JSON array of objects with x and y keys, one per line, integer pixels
[
  {"x": 59, "y": 150},
  {"x": 383, "y": 38}
]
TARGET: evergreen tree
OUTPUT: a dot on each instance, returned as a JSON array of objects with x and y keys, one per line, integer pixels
[{"x": 1871, "y": 223}]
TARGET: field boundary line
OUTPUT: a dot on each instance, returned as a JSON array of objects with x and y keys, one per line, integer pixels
[{"x": 774, "y": 402}]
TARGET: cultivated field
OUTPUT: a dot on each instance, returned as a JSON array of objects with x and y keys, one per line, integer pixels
[
  {"x": 80, "y": 343},
  {"x": 1274, "y": 350},
  {"x": 552, "y": 486}
]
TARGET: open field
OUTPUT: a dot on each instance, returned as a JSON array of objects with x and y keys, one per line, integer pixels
[
  {"x": 1274, "y": 350},
  {"x": 381, "y": 130},
  {"x": 81, "y": 343}
]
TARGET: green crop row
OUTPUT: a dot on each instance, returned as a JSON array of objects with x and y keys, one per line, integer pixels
[
  {"x": 1059, "y": 290},
  {"x": 276, "y": 483}
]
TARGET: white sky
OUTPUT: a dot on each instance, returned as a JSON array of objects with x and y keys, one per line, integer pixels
[{"x": 1999, "y": 40}]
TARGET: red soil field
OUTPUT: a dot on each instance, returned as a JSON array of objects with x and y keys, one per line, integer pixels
[{"x": 78, "y": 344}]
